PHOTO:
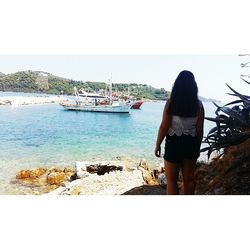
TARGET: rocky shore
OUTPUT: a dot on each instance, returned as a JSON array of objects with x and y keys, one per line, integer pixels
[
  {"x": 30, "y": 100},
  {"x": 91, "y": 178},
  {"x": 223, "y": 176}
]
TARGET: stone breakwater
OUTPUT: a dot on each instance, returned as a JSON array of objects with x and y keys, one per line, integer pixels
[
  {"x": 90, "y": 178},
  {"x": 30, "y": 100}
]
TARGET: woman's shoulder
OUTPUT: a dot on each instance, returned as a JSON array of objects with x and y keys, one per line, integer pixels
[{"x": 167, "y": 104}]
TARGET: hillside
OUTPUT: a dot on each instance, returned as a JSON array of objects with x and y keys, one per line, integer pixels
[
  {"x": 226, "y": 175},
  {"x": 44, "y": 82}
]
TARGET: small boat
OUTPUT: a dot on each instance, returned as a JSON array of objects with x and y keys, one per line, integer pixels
[
  {"x": 113, "y": 108},
  {"x": 137, "y": 105},
  {"x": 93, "y": 102}
]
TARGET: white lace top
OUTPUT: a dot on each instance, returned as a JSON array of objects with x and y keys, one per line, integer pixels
[{"x": 183, "y": 125}]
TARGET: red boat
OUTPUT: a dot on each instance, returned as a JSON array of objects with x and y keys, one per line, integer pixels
[{"x": 137, "y": 105}]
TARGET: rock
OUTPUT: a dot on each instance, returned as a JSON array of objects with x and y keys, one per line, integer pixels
[
  {"x": 82, "y": 174},
  {"x": 43, "y": 180},
  {"x": 88, "y": 178},
  {"x": 162, "y": 180},
  {"x": 68, "y": 170},
  {"x": 144, "y": 164},
  {"x": 147, "y": 173},
  {"x": 52, "y": 187},
  {"x": 148, "y": 176},
  {"x": 83, "y": 169},
  {"x": 81, "y": 165},
  {"x": 146, "y": 190},
  {"x": 32, "y": 174},
  {"x": 157, "y": 171},
  {"x": 73, "y": 177},
  {"x": 101, "y": 168},
  {"x": 23, "y": 174},
  {"x": 57, "y": 191},
  {"x": 75, "y": 191},
  {"x": 130, "y": 165},
  {"x": 114, "y": 183},
  {"x": 54, "y": 169},
  {"x": 56, "y": 178}
]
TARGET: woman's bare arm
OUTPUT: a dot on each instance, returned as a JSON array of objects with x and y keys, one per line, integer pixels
[
  {"x": 163, "y": 130},
  {"x": 200, "y": 124}
]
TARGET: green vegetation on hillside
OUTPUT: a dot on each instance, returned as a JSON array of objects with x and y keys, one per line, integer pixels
[{"x": 43, "y": 82}]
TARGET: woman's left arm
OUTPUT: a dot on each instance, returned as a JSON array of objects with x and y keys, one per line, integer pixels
[
  {"x": 163, "y": 130},
  {"x": 200, "y": 124}
]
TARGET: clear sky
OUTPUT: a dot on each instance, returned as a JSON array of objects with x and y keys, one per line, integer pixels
[{"x": 211, "y": 71}]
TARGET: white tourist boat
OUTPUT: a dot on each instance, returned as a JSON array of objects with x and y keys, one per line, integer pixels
[
  {"x": 113, "y": 108},
  {"x": 93, "y": 102}
]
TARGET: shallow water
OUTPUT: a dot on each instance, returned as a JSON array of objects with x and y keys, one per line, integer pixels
[{"x": 48, "y": 135}]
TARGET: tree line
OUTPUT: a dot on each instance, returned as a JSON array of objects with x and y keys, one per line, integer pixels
[{"x": 43, "y": 82}]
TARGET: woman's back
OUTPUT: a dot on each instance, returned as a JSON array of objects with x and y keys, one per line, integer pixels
[{"x": 184, "y": 125}]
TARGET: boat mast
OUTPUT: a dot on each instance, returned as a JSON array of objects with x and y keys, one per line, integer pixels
[
  {"x": 110, "y": 82},
  {"x": 105, "y": 93},
  {"x": 76, "y": 93}
]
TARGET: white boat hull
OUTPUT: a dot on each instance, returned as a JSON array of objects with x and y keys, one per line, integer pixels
[{"x": 101, "y": 108}]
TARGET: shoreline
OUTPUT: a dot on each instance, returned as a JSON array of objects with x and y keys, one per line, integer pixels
[
  {"x": 95, "y": 177},
  {"x": 15, "y": 101},
  {"x": 9, "y": 184},
  {"x": 87, "y": 178},
  {"x": 219, "y": 176}
]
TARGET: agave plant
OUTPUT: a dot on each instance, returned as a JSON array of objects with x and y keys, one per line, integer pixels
[{"x": 232, "y": 123}]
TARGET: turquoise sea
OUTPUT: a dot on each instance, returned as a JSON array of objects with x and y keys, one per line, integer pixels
[{"x": 48, "y": 135}]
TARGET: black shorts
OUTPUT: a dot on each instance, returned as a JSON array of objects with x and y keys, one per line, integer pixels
[{"x": 178, "y": 148}]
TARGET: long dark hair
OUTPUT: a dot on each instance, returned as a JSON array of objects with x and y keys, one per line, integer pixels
[{"x": 184, "y": 96}]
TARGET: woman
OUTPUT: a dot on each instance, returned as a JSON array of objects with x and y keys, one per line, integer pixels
[{"x": 182, "y": 125}]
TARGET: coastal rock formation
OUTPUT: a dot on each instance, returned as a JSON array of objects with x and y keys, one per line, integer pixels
[
  {"x": 144, "y": 164},
  {"x": 43, "y": 180},
  {"x": 228, "y": 175},
  {"x": 146, "y": 190},
  {"x": 90, "y": 178},
  {"x": 102, "y": 177},
  {"x": 158, "y": 170},
  {"x": 113, "y": 183},
  {"x": 99, "y": 168},
  {"x": 117, "y": 178},
  {"x": 147, "y": 173},
  {"x": 31, "y": 174},
  {"x": 56, "y": 178},
  {"x": 162, "y": 180}
]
